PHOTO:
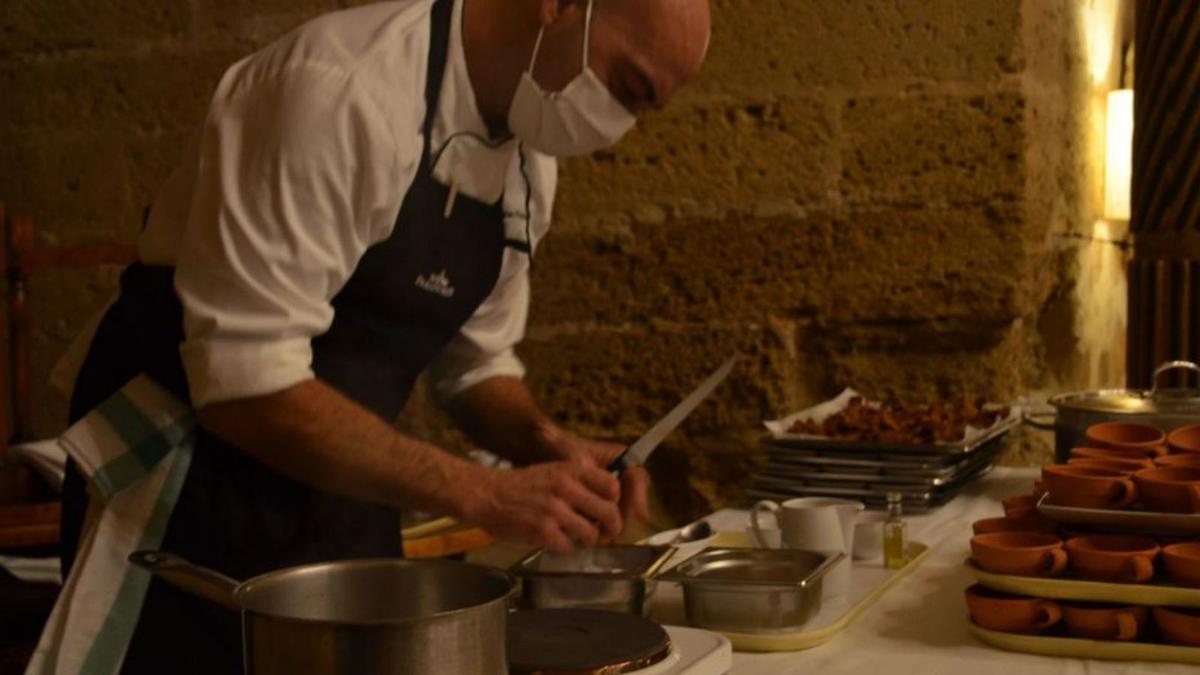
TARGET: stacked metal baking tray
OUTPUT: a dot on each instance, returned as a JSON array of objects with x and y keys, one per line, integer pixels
[{"x": 927, "y": 475}]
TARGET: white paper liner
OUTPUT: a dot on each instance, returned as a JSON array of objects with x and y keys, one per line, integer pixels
[{"x": 823, "y": 410}]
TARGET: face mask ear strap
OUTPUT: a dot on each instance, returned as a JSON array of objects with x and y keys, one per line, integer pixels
[
  {"x": 587, "y": 33},
  {"x": 536, "y": 46},
  {"x": 587, "y": 39}
]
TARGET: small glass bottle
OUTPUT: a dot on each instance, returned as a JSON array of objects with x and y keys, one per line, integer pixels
[{"x": 894, "y": 544}]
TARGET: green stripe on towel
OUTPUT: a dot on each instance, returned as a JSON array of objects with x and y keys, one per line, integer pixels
[
  {"x": 146, "y": 443},
  {"x": 108, "y": 649},
  {"x": 118, "y": 475},
  {"x": 143, "y": 438}
]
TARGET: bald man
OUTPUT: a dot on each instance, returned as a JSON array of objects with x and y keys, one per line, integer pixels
[{"x": 364, "y": 205}]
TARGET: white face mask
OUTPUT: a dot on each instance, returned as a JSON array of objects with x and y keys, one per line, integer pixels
[{"x": 582, "y": 118}]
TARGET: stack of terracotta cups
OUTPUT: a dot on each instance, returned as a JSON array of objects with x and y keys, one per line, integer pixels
[
  {"x": 1129, "y": 464},
  {"x": 1126, "y": 466}
]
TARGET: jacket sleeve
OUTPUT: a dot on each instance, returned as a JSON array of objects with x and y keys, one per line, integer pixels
[{"x": 298, "y": 175}]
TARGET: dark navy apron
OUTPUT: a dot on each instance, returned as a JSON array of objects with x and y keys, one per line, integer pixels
[{"x": 407, "y": 298}]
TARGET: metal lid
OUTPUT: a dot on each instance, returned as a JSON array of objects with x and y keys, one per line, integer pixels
[{"x": 1154, "y": 401}]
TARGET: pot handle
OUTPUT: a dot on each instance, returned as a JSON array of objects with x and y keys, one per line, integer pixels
[
  {"x": 764, "y": 506},
  {"x": 1168, "y": 367},
  {"x": 199, "y": 581},
  {"x": 1129, "y": 494},
  {"x": 1033, "y": 419},
  {"x": 1053, "y": 614},
  {"x": 1058, "y": 562},
  {"x": 1127, "y": 625}
]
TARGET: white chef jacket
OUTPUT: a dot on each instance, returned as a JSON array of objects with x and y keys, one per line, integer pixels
[{"x": 307, "y": 151}]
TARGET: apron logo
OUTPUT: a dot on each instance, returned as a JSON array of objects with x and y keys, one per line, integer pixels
[{"x": 438, "y": 284}]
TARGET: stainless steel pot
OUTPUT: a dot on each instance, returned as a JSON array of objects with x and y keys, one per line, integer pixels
[
  {"x": 1167, "y": 409},
  {"x": 360, "y": 617}
]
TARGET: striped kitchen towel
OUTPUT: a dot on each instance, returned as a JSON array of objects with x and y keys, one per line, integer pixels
[
  {"x": 135, "y": 449},
  {"x": 33, "y": 570}
]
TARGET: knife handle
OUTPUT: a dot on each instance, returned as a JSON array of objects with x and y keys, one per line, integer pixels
[{"x": 618, "y": 465}]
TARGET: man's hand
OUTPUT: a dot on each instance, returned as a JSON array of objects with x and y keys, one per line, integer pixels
[
  {"x": 635, "y": 481},
  {"x": 555, "y": 505},
  {"x": 500, "y": 415}
]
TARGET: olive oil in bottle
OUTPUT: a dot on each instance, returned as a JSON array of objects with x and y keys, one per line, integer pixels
[{"x": 894, "y": 541}]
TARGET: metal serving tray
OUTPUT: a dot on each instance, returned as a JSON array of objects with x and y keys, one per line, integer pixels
[
  {"x": 1125, "y": 521},
  {"x": 932, "y": 450},
  {"x": 876, "y": 472},
  {"x": 917, "y": 497},
  {"x": 614, "y": 578},
  {"x": 862, "y": 462},
  {"x": 892, "y": 462},
  {"x": 752, "y": 590}
]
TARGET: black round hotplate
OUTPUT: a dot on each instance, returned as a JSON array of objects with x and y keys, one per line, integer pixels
[{"x": 583, "y": 642}]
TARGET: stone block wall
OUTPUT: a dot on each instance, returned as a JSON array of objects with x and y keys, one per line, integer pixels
[
  {"x": 866, "y": 193},
  {"x": 862, "y": 192}
]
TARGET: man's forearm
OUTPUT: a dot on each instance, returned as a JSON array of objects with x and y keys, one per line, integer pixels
[
  {"x": 314, "y": 434},
  {"x": 501, "y": 415}
]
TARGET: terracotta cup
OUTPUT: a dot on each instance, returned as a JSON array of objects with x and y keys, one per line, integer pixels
[
  {"x": 1109, "y": 453},
  {"x": 1018, "y": 506},
  {"x": 1039, "y": 490},
  {"x": 1125, "y": 466},
  {"x": 1187, "y": 460},
  {"x": 1169, "y": 489},
  {"x": 1104, "y": 621},
  {"x": 994, "y": 610},
  {"x": 1117, "y": 558},
  {"x": 1183, "y": 562},
  {"x": 1025, "y": 554},
  {"x": 1088, "y": 488},
  {"x": 1185, "y": 439},
  {"x": 1178, "y": 625},
  {"x": 1018, "y": 524},
  {"x": 1151, "y": 441}
]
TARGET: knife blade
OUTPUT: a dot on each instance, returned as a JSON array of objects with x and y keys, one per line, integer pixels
[{"x": 636, "y": 454}]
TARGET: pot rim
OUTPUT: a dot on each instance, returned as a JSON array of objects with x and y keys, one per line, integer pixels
[
  {"x": 1184, "y": 550},
  {"x": 1151, "y": 398},
  {"x": 1150, "y": 475},
  {"x": 1085, "y": 472},
  {"x": 248, "y": 586},
  {"x": 986, "y": 540},
  {"x": 1146, "y": 403},
  {"x": 1082, "y": 544}
]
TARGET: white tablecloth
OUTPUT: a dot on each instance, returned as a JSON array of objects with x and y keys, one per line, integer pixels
[{"x": 920, "y": 626}]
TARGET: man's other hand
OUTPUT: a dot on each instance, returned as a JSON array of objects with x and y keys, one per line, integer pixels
[
  {"x": 635, "y": 481},
  {"x": 555, "y": 505}
]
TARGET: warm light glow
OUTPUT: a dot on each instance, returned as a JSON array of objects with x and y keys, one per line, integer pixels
[
  {"x": 1100, "y": 26},
  {"x": 1119, "y": 154}
]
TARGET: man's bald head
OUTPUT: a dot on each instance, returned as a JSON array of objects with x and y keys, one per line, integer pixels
[
  {"x": 667, "y": 39},
  {"x": 642, "y": 50}
]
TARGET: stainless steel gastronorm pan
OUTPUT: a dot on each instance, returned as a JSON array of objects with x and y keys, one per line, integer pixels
[
  {"x": 749, "y": 590},
  {"x": 615, "y": 578}
]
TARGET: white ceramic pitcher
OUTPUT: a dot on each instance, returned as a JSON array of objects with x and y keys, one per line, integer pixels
[{"x": 814, "y": 524}]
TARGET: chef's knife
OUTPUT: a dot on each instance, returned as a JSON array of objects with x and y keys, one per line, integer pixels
[{"x": 637, "y": 453}]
